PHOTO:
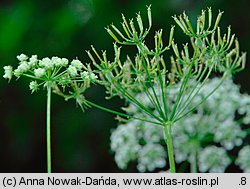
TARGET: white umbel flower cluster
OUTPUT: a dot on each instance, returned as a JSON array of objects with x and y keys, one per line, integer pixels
[
  {"x": 8, "y": 72},
  {"x": 33, "y": 86},
  {"x": 124, "y": 141},
  {"x": 223, "y": 134},
  {"x": 245, "y": 108},
  {"x": 88, "y": 76},
  {"x": 77, "y": 64},
  {"x": 22, "y": 68},
  {"x": 138, "y": 140},
  {"x": 150, "y": 157},
  {"x": 49, "y": 69},
  {"x": 72, "y": 71},
  {"x": 22, "y": 57},
  {"x": 243, "y": 160},
  {"x": 39, "y": 72},
  {"x": 55, "y": 73},
  {"x": 213, "y": 122},
  {"x": 33, "y": 60},
  {"x": 213, "y": 159}
]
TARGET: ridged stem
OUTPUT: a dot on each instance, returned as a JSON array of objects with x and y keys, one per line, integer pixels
[
  {"x": 170, "y": 148},
  {"x": 48, "y": 134}
]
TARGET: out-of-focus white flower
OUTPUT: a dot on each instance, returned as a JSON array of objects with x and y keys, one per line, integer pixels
[
  {"x": 245, "y": 108},
  {"x": 213, "y": 159},
  {"x": 150, "y": 157},
  {"x": 39, "y": 72},
  {"x": 8, "y": 72},
  {"x": 127, "y": 141},
  {"x": 215, "y": 117},
  {"x": 124, "y": 142},
  {"x": 229, "y": 134},
  {"x": 243, "y": 160}
]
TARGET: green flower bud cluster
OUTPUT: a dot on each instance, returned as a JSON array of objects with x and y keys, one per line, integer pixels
[
  {"x": 205, "y": 54},
  {"x": 131, "y": 34},
  {"x": 211, "y": 50}
]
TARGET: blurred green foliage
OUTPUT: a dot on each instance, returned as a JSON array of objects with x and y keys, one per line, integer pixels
[{"x": 67, "y": 28}]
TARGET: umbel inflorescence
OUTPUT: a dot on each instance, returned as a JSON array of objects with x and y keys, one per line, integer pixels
[
  {"x": 207, "y": 53},
  {"x": 57, "y": 73}
]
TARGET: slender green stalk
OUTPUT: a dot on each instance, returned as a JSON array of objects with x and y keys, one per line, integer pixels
[
  {"x": 193, "y": 108},
  {"x": 121, "y": 114},
  {"x": 136, "y": 102},
  {"x": 169, "y": 142},
  {"x": 48, "y": 134},
  {"x": 194, "y": 163},
  {"x": 144, "y": 57}
]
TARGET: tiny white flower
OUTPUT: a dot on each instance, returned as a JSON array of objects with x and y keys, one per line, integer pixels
[
  {"x": 56, "y": 61},
  {"x": 33, "y": 86},
  {"x": 64, "y": 61},
  {"x": 150, "y": 157},
  {"x": 23, "y": 67},
  {"x": 8, "y": 72},
  {"x": 213, "y": 159},
  {"x": 85, "y": 75},
  {"x": 77, "y": 64},
  {"x": 72, "y": 71},
  {"x": 46, "y": 63},
  {"x": 243, "y": 160},
  {"x": 33, "y": 60},
  {"x": 88, "y": 76},
  {"x": 92, "y": 76},
  {"x": 17, "y": 72},
  {"x": 124, "y": 143},
  {"x": 223, "y": 133},
  {"x": 39, "y": 72},
  {"x": 22, "y": 57}
]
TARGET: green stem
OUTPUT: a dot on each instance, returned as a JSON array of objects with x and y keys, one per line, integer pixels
[
  {"x": 169, "y": 142},
  {"x": 48, "y": 135},
  {"x": 194, "y": 163},
  {"x": 205, "y": 98},
  {"x": 121, "y": 114}
]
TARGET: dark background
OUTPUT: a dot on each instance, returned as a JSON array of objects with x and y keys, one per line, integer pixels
[{"x": 66, "y": 28}]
